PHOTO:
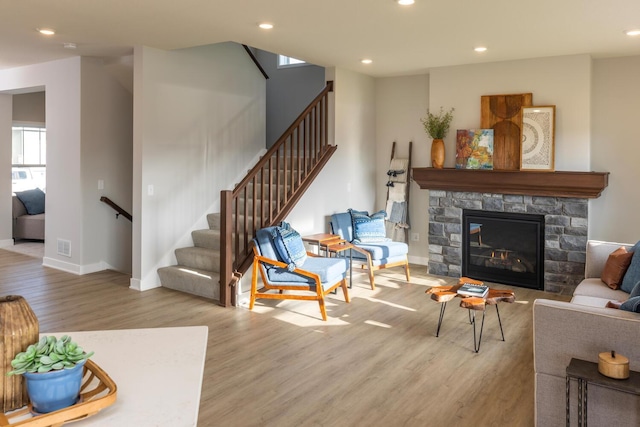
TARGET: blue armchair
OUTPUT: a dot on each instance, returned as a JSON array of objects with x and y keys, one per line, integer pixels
[
  {"x": 372, "y": 255},
  {"x": 313, "y": 280}
]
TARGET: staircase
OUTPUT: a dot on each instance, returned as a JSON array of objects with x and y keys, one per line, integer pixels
[
  {"x": 198, "y": 269},
  {"x": 263, "y": 198}
]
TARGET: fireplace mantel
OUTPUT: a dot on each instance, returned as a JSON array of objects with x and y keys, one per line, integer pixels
[{"x": 587, "y": 185}]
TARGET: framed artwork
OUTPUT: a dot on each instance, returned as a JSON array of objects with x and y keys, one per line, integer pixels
[
  {"x": 538, "y": 138},
  {"x": 474, "y": 149}
]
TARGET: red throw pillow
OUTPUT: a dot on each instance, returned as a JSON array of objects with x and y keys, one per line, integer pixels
[{"x": 616, "y": 266}]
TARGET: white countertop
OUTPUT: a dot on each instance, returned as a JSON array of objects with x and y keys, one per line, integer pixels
[{"x": 158, "y": 373}]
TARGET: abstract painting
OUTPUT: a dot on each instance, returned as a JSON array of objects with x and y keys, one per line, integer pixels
[{"x": 474, "y": 149}]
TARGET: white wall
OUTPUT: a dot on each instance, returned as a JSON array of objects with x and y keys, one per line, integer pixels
[
  {"x": 88, "y": 119},
  {"x": 107, "y": 144},
  {"x": 400, "y": 103},
  {"x": 199, "y": 120},
  {"x": 616, "y": 110},
  {"x": 5, "y": 170},
  {"x": 61, "y": 80},
  {"x": 561, "y": 81},
  {"x": 348, "y": 180}
]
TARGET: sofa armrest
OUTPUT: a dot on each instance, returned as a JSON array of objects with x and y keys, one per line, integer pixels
[
  {"x": 562, "y": 330},
  {"x": 597, "y": 254}
]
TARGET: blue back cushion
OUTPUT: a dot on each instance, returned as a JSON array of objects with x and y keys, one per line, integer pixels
[
  {"x": 368, "y": 228},
  {"x": 289, "y": 246},
  {"x": 341, "y": 225},
  {"x": 33, "y": 200},
  {"x": 632, "y": 276}
]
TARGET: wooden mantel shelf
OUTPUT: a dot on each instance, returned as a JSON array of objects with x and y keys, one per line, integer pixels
[{"x": 587, "y": 185}]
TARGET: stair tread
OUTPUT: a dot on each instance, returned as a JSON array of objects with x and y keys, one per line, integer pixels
[{"x": 190, "y": 280}]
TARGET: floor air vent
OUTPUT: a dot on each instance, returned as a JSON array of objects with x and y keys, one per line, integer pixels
[{"x": 64, "y": 247}]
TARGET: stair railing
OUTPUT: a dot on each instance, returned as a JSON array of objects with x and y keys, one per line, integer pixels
[
  {"x": 271, "y": 189},
  {"x": 116, "y": 207}
]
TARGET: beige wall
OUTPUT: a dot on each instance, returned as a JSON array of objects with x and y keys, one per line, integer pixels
[
  {"x": 29, "y": 107},
  {"x": 614, "y": 143},
  {"x": 400, "y": 103},
  {"x": 597, "y": 110},
  {"x": 561, "y": 81},
  {"x": 348, "y": 179},
  {"x": 5, "y": 170},
  {"x": 106, "y": 155},
  {"x": 199, "y": 121}
]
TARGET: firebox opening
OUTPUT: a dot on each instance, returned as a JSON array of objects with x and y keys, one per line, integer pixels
[{"x": 503, "y": 247}]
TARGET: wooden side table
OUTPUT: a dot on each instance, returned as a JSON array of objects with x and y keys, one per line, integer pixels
[
  {"x": 338, "y": 247},
  {"x": 322, "y": 240},
  {"x": 587, "y": 373}
]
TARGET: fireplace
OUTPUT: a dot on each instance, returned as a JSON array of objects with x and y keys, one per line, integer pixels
[{"x": 503, "y": 247}]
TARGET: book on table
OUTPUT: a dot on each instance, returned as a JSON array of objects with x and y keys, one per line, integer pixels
[{"x": 473, "y": 290}]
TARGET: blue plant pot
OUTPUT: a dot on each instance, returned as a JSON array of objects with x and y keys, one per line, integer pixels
[{"x": 50, "y": 391}]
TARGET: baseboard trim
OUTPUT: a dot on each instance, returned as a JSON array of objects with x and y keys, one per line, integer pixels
[
  {"x": 418, "y": 260},
  {"x": 6, "y": 243},
  {"x": 62, "y": 265},
  {"x": 141, "y": 286}
]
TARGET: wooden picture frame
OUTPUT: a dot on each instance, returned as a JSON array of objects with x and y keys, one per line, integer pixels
[{"x": 538, "y": 138}]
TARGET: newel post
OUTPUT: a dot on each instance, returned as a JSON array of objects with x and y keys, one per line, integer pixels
[{"x": 227, "y": 294}]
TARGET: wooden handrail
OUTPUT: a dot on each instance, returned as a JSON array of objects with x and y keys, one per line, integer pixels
[
  {"x": 271, "y": 189},
  {"x": 255, "y": 61},
  {"x": 118, "y": 209}
]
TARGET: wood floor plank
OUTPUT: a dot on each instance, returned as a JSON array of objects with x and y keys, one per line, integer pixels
[{"x": 375, "y": 362}]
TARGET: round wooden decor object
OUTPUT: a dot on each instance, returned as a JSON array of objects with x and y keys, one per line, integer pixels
[{"x": 613, "y": 365}]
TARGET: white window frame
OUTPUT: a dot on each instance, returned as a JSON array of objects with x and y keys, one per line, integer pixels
[{"x": 285, "y": 62}]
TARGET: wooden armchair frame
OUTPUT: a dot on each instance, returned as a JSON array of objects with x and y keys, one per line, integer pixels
[
  {"x": 368, "y": 265},
  {"x": 338, "y": 227},
  {"x": 320, "y": 293}
]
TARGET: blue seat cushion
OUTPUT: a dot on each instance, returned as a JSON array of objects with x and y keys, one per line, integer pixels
[
  {"x": 330, "y": 271},
  {"x": 289, "y": 246},
  {"x": 383, "y": 250}
]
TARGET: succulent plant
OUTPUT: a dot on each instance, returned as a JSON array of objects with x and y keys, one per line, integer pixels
[{"x": 49, "y": 354}]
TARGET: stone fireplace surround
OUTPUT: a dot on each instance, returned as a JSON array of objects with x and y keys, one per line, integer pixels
[
  {"x": 561, "y": 196},
  {"x": 566, "y": 228}
]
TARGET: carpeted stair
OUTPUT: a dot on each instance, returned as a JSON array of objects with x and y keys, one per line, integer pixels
[{"x": 198, "y": 266}]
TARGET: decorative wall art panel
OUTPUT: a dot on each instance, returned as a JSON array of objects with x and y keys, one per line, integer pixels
[
  {"x": 503, "y": 114},
  {"x": 538, "y": 138}
]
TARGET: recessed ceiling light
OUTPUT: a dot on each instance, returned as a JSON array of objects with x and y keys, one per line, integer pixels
[
  {"x": 46, "y": 31},
  {"x": 366, "y": 61},
  {"x": 265, "y": 26},
  {"x": 480, "y": 49},
  {"x": 634, "y": 32},
  {"x": 406, "y": 2}
]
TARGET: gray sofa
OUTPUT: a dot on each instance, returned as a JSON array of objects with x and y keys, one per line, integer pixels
[
  {"x": 26, "y": 226},
  {"x": 582, "y": 329}
]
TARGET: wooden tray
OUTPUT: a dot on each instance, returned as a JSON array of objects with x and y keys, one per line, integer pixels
[{"x": 97, "y": 392}]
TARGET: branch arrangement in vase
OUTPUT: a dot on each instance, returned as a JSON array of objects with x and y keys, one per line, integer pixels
[{"x": 437, "y": 125}]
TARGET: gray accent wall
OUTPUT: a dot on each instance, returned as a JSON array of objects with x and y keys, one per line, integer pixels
[{"x": 289, "y": 91}]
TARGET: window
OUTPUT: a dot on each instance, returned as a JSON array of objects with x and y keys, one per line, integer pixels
[
  {"x": 29, "y": 146},
  {"x": 287, "y": 61},
  {"x": 28, "y": 158}
]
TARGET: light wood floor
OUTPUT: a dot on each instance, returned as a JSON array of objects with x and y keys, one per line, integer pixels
[{"x": 376, "y": 362}]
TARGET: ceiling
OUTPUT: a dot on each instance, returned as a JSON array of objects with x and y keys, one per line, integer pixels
[{"x": 400, "y": 40}]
